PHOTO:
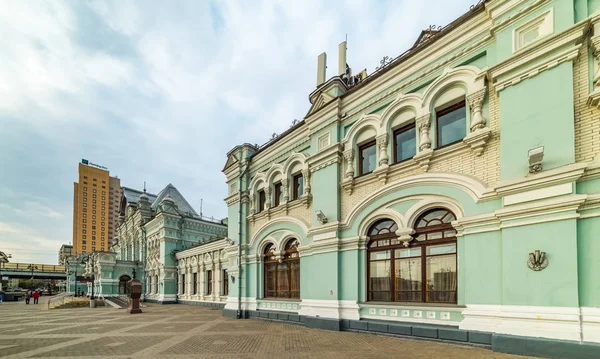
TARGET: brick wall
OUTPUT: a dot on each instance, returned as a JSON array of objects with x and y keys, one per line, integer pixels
[{"x": 587, "y": 118}]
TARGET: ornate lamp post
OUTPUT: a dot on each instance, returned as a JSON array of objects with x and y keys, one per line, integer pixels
[
  {"x": 32, "y": 267},
  {"x": 4, "y": 260}
]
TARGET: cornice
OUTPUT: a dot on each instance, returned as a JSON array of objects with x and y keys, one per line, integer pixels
[
  {"x": 325, "y": 157},
  {"x": 544, "y": 207},
  {"x": 567, "y": 42},
  {"x": 565, "y": 174},
  {"x": 478, "y": 30},
  {"x": 329, "y": 227},
  {"x": 501, "y": 25}
]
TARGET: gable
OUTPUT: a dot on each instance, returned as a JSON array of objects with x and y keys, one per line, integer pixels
[{"x": 231, "y": 160}]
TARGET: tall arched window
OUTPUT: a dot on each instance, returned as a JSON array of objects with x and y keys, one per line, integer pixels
[
  {"x": 425, "y": 271},
  {"x": 282, "y": 275}
]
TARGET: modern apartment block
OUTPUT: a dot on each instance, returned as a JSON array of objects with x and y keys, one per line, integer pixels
[
  {"x": 95, "y": 208},
  {"x": 65, "y": 251}
]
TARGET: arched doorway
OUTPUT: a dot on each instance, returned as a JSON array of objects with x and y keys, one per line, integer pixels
[{"x": 124, "y": 284}]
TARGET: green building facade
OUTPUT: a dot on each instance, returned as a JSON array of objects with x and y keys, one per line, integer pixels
[
  {"x": 456, "y": 188},
  {"x": 152, "y": 230}
]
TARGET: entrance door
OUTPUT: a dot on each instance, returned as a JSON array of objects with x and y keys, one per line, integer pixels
[{"x": 124, "y": 284}]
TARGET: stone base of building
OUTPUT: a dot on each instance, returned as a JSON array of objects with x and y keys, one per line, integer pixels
[
  {"x": 521, "y": 345},
  {"x": 208, "y": 304},
  {"x": 162, "y": 299}
]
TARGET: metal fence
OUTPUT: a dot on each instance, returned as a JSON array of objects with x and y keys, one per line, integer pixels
[{"x": 28, "y": 267}]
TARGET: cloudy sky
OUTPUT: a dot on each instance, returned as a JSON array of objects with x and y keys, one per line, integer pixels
[{"x": 159, "y": 91}]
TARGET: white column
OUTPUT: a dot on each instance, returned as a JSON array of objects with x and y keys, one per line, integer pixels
[
  {"x": 382, "y": 145},
  {"x": 424, "y": 124},
  {"x": 349, "y": 156},
  {"x": 476, "y": 105},
  {"x": 201, "y": 275},
  {"x": 218, "y": 281}
]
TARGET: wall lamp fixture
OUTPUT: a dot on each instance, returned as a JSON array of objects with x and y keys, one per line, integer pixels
[
  {"x": 536, "y": 156},
  {"x": 321, "y": 217}
]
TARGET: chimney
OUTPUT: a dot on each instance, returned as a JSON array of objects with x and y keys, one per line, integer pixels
[
  {"x": 321, "y": 68},
  {"x": 342, "y": 58}
]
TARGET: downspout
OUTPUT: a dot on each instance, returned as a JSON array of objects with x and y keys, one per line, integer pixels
[
  {"x": 245, "y": 172},
  {"x": 145, "y": 260}
]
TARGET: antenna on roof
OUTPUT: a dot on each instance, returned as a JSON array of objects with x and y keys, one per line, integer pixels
[
  {"x": 144, "y": 186},
  {"x": 200, "y": 207}
]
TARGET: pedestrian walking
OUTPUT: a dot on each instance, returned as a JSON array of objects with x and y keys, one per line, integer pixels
[
  {"x": 36, "y": 296},
  {"x": 27, "y": 297}
]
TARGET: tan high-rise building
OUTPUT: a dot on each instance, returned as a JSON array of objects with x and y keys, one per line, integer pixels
[{"x": 95, "y": 208}]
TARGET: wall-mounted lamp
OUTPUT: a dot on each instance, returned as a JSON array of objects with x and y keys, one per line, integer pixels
[
  {"x": 321, "y": 217},
  {"x": 232, "y": 279},
  {"x": 537, "y": 260},
  {"x": 536, "y": 156}
]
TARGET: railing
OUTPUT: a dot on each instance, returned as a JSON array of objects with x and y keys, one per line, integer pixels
[
  {"x": 57, "y": 300},
  {"x": 27, "y": 267}
]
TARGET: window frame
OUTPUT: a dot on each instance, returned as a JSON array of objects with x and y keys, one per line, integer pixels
[
  {"x": 444, "y": 110},
  {"x": 291, "y": 256},
  {"x": 295, "y": 186},
  {"x": 209, "y": 282},
  {"x": 401, "y": 130},
  {"x": 277, "y": 193},
  {"x": 423, "y": 245},
  {"x": 225, "y": 283},
  {"x": 262, "y": 200},
  {"x": 361, "y": 148}
]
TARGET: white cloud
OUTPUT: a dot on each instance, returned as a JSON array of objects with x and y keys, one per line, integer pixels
[{"x": 160, "y": 92}]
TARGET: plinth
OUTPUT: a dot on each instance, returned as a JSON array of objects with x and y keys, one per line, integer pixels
[{"x": 134, "y": 296}]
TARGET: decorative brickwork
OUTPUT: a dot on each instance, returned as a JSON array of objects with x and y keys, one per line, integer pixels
[
  {"x": 587, "y": 118},
  {"x": 486, "y": 167}
]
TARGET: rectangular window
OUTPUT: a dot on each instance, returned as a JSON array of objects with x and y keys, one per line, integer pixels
[
  {"x": 84, "y": 204},
  {"x": 83, "y": 236},
  {"x": 94, "y": 180},
  {"x": 225, "y": 283},
  {"x": 94, "y": 185},
  {"x": 85, "y": 188},
  {"x": 278, "y": 194},
  {"x": 208, "y": 282},
  {"x": 261, "y": 200},
  {"x": 83, "y": 241},
  {"x": 183, "y": 283},
  {"x": 405, "y": 143},
  {"x": 451, "y": 124},
  {"x": 298, "y": 186},
  {"x": 94, "y": 191},
  {"x": 93, "y": 238},
  {"x": 367, "y": 158},
  {"x": 195, "y": 283},
  {"x": 84, "y": 231}
]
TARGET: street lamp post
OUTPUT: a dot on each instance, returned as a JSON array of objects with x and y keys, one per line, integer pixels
[
  {"x": 32, "y": 267},
  {"x": 1, "y": 265}
]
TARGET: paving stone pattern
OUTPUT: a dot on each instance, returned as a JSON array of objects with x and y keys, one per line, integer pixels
[{"x": 182, "y": 331}]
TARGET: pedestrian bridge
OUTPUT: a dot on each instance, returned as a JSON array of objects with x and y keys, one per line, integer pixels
[{"x": 29, "y": 270}]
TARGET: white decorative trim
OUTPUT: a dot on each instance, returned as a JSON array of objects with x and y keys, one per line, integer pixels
[
  {"x": 530, "y": 321},
  {"x": 333, "y": 309},
  {"x": 568, "y": 55},
  {"x": 543, "y": 25},
  {"x": 325, "y": 157},
  {"x": 278, "y": 305},
  {"x": 323, "y": 141},
  {"x": 516, "y": 16},
  {"x": 537, "y": 194},
  {"x": 258, "y": 233},
  {"x": 248, "y": 303},
  {"x": 590, "y": 325},
  {"x": 322, "y": 236},
  {"x": 543, "y": 179},
  {"x": 167, "y": 297}
]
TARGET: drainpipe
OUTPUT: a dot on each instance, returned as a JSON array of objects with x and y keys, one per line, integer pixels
[
  {"x": 245, "y": 172},
  {"x": 145, "y": 260}
]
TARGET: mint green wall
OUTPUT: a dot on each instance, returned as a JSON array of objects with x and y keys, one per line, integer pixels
[
  {"x": 482, "y": 268},
  {"x": 584, "y": 8},
  {"x": 587, "y": 187},
  {"x": 249, "y": 287},
  {"x": 554, "y": 286},
  {"x": 349, "y": 275},
  {"x": 537, "y": 112},
  {"x": 233, "y": 224},
  {"x": 322, "y": 271},
  {"x": 325, "y": 193},
  {"x": 588, "y": 247},
  {"x": 564, "y": 17}
]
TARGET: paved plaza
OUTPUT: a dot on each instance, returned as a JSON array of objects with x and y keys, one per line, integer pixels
[{"x": 180, "y": 331}]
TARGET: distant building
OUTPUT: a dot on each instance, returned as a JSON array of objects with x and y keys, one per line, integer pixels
[
  {"x": 95, "y": 208},
  {"x": 160, "y": 239},
  {"x": 4, "y": 257},
  {"x": 66, "y": 250}
]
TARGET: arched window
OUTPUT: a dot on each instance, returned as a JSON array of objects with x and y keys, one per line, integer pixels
[
  {"x": 282, "y": 275},
  {"x": 425, "y": 271}
]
